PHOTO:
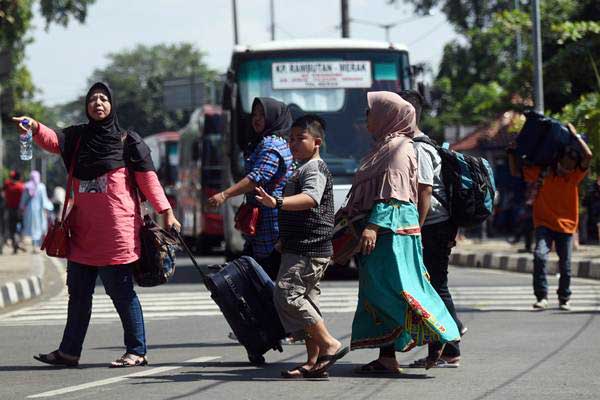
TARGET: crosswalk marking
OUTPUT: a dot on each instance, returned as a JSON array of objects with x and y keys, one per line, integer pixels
[{"x": 166, "y": 305}]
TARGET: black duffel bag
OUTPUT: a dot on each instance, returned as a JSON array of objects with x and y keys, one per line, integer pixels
[
  {"x": 157, "y": 262},
  {"x": 542, "y": 140}
]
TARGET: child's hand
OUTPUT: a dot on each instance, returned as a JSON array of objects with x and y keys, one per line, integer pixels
[{"x": 265, "y": 199}]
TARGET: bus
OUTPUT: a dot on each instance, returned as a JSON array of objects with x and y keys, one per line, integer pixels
[
  {"x": 200, "y": 166},
  {"x": 327, "y": 77},
  {"x": 165, "y": 156}
]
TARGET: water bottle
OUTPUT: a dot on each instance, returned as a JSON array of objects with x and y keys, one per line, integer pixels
[{"x": 26, "y": 139}]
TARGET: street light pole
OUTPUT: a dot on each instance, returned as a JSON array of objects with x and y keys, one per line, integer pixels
[
  {"x": 538, "y": 80},
  {"x": 235, "y": 22},
  {"x": 345, "y": 19},
  {"x": 272, "y": 9}
]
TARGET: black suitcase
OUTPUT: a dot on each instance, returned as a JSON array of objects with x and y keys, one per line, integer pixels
[{"x": 244, "y": 293}]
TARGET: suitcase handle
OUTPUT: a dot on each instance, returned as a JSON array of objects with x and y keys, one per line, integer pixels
[{"x": 190, "y": 254}]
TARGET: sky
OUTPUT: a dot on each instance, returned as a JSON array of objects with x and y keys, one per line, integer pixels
[{"x": 61, "y": 59}]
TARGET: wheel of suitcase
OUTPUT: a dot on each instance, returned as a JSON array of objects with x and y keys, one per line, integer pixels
[{"x": 256, "y": 359}]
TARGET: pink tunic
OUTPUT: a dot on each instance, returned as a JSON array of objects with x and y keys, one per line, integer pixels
[{"x": 106, "y": 218}]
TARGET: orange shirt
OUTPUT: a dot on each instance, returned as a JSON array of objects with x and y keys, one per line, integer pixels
[{"x": 557, "y": 203}]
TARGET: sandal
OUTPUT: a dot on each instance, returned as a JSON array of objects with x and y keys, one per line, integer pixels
[
  {"x": 55, "y": 358},
  {"x": 376, "y": 368},
  {"x": 435, "y": 355},
  {"x": 330, "y": 359},
  {"x": 304, "y": 374},
  {"x": 129, "y": 360},
  {"x": 444, "y": 362}
]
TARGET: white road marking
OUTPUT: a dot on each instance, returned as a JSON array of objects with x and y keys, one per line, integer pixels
[
  {"x": 118, "y": 379},
  {"x": 164, "y": 305}
]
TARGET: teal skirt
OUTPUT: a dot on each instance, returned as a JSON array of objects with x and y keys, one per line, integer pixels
[{"x": 396, "y": 302}]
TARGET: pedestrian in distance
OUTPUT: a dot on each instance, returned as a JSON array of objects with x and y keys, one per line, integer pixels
[
  {"x": 438, "y": 232},
  {"x": 555, "y": 199},
  {"x": 397, "y": 308},
  {"x": 13, "y": 191},
  {"x": 306, "y": 220},
  {"x": 34, "y": 205},
  {"x": 104, "y": 221},
  {"x": 268, "y": 164}
]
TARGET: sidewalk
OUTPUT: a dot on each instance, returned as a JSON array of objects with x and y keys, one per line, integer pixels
[
  {"x": 20, "y": 276},
  {"x": 499, "y": 254}
]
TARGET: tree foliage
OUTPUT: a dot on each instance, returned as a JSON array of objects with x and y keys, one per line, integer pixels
[
  {"x": 137, "y": 77},
  {"x": 480, "y": 74}
]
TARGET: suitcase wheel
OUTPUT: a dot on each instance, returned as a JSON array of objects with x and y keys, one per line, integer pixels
[{"x": 256, "y": 359}]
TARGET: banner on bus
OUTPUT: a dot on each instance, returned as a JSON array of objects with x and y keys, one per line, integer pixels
[{"x": 321, "y": 74}]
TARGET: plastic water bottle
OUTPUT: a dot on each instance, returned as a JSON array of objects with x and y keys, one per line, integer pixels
[{"x": 26, "y": 139}]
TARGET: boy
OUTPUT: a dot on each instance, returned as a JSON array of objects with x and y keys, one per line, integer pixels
[{"x": 306, "y": 220}]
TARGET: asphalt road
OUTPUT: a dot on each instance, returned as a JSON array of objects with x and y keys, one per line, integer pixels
[{"x": 509, "y": 351}]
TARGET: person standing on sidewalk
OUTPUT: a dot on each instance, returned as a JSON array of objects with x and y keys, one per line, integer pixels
[
  {"x": 34, "y": 205},
  {"x": 13, "y": 190},
  {"x": 104, "y": 222},
  {"x": 438, "y": 232},
  {"x": 555, "y": 197}
]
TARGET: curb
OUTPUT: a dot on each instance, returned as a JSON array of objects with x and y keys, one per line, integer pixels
[
  {"x": 521, "y": 263},
  {"x": 21, "y": 290}
]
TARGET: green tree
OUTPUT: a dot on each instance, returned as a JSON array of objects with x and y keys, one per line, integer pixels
[
  {"x": 137, "y": 77},
  {"x": 480, "y": 75}
]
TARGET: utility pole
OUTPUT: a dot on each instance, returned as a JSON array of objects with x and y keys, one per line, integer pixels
[
  {"x": 519, "y": 39},
  {"x": 235, "y": 22},
  {"x": 538, "y": 80},
  {"x": 345, "y": 19},
  {"x": 272, "y": 9}
]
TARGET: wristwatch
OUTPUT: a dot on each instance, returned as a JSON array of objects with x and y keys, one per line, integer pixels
[{"x": 278, "y": 202}]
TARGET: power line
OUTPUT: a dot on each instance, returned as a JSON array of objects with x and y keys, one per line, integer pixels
[{"x": 435, "y": 28}]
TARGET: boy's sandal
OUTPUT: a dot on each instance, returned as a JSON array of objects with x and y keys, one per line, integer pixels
[
  {"x": 304, "y": 374},
  {"x": 55, "y": 358},
  {"x": 129, "y": 360},
  {"x": 327, "y": 361},
  {"x": 376, "y": 368}
]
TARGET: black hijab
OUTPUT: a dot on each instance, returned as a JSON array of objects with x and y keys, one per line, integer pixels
[
  {"x": 278, "y": 119},
  {"x": 102, "y": 147}
]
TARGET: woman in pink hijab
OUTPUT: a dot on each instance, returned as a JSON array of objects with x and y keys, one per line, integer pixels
[{"x": 398, "y": 308}]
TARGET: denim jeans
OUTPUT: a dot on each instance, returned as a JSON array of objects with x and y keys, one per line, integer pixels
[
  {"x": 438, "y": 240},
  {"x": 118, "y": 283},
  {"x": 544, "y": 238}
]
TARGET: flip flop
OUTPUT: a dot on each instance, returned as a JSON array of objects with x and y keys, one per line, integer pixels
[
  {"x": 304, "y": 374},
  {"x": 56, "y": 359},
  {"x": 121, "y": 362},
  {"x": 376, "y": 368},
  {"x": 330, "y": 359}
]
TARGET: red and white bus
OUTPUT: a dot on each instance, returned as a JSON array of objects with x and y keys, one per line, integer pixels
[
  {"x": 165, "y": 155},
  {"x": 200, "y": 169}
]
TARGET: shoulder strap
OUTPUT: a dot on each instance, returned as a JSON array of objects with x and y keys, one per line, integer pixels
[
  {"x": 70, "y": 180},
  {"x": 425, "y": 139}
]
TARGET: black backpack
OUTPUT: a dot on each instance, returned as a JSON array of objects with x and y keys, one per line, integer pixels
[{"x": 469, "y": 184}]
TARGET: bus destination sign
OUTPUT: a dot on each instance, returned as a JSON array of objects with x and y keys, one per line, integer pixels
[{"x": 321, "y": 74}]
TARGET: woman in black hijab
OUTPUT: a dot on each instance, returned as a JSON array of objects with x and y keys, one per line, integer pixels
[
  {"x": 107, "y": 163},
  {"x": 268, "y": 164}
]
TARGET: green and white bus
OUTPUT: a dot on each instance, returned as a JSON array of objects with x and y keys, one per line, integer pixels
[{"x": 328, "y": 77}]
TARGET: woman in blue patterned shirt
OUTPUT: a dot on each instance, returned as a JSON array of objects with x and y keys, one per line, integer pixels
[{"x": 268, "y": 164}]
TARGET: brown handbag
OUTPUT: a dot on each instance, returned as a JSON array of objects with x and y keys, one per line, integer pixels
[
  {"x": 56, "y": 242},
  {"x": 246, "y": 219}
]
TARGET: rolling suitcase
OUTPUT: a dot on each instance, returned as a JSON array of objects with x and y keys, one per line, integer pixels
[{"x": 244, "y": 293}]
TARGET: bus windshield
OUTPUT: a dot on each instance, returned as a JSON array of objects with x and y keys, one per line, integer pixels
[{"x": 339, "y": 98}]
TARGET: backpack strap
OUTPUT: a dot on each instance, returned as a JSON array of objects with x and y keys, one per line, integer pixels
[{"x": 427, "y": 140}]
